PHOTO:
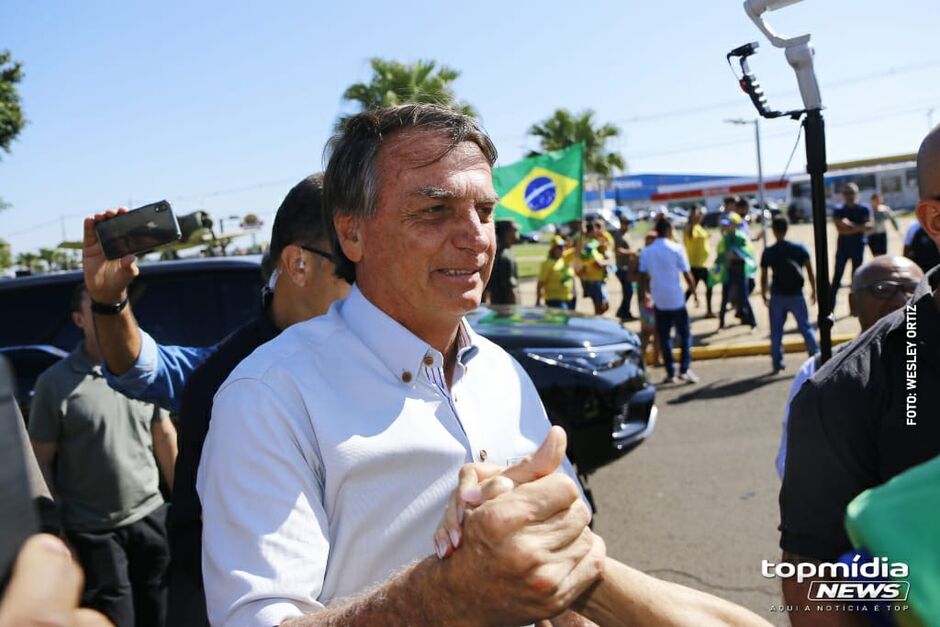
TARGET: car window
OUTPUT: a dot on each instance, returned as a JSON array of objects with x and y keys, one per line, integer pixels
[
  {"x": 38, "y": 314},
  {"x": 197, "y": 309},
  {"x": 188, "y": 308}
]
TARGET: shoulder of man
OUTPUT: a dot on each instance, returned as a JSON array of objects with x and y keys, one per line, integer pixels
[
  {"x": 298, "y": 344},
  {"x": 53, "y": 378},
  {"x": 852, "y": 363}
]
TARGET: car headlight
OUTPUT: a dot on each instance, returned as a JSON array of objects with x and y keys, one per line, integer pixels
[{"x": 586, "y": 360}]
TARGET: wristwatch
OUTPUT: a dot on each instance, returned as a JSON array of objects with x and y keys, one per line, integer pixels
[{"x": 108, "y": 310}]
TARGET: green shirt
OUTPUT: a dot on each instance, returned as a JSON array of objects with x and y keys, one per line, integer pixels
[{"x": 105, "y": 474}]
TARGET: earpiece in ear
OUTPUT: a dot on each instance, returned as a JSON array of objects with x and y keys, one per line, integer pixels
[{"x": 302, "y": 265}]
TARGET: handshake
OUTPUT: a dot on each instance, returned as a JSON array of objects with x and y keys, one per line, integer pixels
[{"x": 522, "y": 536}]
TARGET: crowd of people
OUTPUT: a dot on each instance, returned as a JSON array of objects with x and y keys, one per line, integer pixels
[
  {"x": 593, "y": 253},
  {"x": 358, "y": 454}
]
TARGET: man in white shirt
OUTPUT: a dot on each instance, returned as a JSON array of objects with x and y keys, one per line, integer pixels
[
  {"x": 661, "y": 265},
  {"x": 333, "y": 449}
]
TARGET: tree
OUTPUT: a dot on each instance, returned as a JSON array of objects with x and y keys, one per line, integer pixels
[
  {"x": 6, "y": 256},
  {"x": 395, "y": 83},
  {"x": 564, "y": 129},
  {"x": 11, "y": 116},
  {"x": 29, "y": 261}
]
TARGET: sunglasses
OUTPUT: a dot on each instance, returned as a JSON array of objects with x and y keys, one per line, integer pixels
[
  {"x": 317, "y": 251},
  {"x": 886, "y": 290}
]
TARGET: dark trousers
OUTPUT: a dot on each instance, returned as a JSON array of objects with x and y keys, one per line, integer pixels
[
  {"x": 623, "y": 312},
  {"x": 878, "y": 243},
  {"x": 187, "y": 596},
  {"x": 737, "y": 281},
  {"x": 125, "y": 570},
  {"x": 666, "y": 319},
  {"x": 842, "y": 258},
  {"x": 700, "y": 275}
]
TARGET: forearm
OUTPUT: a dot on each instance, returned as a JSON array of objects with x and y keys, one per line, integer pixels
[
  {"x": 419, "y": 594},
  {"x": 119, "y": 340},
  {"x": 166, "y": 450},
  {"x": 763, "y": 282},
  {"x": 625, "y": 596}
]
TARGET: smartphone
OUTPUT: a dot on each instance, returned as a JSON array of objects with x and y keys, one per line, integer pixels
[
  {"x": 138, "y": 231},
  {"x": 19, "y": 519}
]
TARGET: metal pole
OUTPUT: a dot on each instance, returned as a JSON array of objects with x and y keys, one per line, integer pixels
[
  {"x": 760, "y": 183},
  {"x": 816, "y": 167}
]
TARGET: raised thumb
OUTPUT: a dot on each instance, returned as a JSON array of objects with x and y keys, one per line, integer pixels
[{"x": 543, "y": 461}]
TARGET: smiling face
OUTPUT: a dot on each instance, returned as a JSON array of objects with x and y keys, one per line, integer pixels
[{"x": 426, "y": 255}]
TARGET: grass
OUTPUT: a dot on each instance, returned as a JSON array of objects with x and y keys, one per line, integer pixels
[{"x": 529, "y": 257}]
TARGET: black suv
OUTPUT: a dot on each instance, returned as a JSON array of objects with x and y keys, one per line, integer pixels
[{"x": 587, "y": 370}]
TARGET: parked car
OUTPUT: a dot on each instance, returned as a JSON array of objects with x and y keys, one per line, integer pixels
[{"x": 588, "y": 370}]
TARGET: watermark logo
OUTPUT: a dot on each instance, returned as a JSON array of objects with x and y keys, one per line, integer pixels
[
  {"x": 875, "y": 580},
  {"x": 910, "y": 366},
  {"x": 859, "y": 590}
]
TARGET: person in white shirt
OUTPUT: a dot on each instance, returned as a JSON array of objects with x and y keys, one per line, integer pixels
[
  {"x": 661, "y": 265},
  {"x": 333, "y": 448}
]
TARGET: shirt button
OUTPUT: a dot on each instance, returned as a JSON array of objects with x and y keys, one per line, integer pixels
[
  {"x": 428, "y": 361},
  {"x": 406, "y": 376},
  {"x": 482, "y": 454}
]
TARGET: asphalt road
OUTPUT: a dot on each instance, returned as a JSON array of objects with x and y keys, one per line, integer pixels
[{"x": 697, "y": 503}]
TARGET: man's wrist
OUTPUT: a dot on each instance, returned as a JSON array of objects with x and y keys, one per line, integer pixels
[
  {"x": 108, "y": 308},
  {"x": 107, "y": 297}
]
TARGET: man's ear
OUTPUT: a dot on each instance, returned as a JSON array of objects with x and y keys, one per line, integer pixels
[
  {"x": 292, "y": 264},
  {"x": 348, "y": 232},
  {"x": 928, "y": 214},
  {"x": 78, "y": 319}
]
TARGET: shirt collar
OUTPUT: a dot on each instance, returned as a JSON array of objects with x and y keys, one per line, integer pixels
[
  {"x": 402, "y": 352},
  {"x": 80, "y": 363},
  {"x": 928, "y": 318}
]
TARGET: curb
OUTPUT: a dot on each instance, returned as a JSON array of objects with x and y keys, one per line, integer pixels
[{"x": 721, "y": 351}]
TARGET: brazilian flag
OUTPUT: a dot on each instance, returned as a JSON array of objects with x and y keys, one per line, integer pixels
[{"x": 547, "y": 189}]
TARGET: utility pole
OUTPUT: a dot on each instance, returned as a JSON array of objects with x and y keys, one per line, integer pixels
[{"x": 760, "y": 172}]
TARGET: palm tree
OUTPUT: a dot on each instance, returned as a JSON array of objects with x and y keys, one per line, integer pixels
[
  {"x": 395, "y": 83},
  {"x": 6, "y": 256},
  {"x": 564, "y": 129},
  {"x": 50, "y": 256},
  {"x": 28, "y": 261}
]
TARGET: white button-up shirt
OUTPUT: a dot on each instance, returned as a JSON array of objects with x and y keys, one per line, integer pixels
[
  {"x": 332, "y": 452},
  {"x": 665, "y": 261}
]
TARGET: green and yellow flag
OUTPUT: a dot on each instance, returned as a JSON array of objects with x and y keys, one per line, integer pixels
[{"x": 547, "y": 189}]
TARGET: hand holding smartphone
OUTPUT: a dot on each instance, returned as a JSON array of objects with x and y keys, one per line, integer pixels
[{"x": 138, "y": 231}]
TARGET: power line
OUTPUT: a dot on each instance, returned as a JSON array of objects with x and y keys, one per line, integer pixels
[
  {"x": 890, "y": 72},
  {"x": 696, "y": 147}
]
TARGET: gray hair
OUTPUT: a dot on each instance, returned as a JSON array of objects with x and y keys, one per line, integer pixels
[{"x": 351, "y": 181}]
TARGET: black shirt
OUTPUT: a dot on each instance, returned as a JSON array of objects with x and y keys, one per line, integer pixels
[
  {"x": 185, "y": 515},
  {"x": 856, "y": 214},
  {"x": 504, "y": 279},
  {"x": 871, "y": 412},
  {"x": 786, "y": 260}
]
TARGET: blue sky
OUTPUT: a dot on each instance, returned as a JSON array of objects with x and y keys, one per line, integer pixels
[{"x": 223, "y": 106}]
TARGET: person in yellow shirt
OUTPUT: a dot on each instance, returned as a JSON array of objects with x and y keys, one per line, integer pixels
[
  {"x": 556, "y": 276},
  {"x": 698, "y": 250},
  {"x": 595, "y": 257}
]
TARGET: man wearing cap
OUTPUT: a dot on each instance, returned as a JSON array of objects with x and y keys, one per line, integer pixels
[
  {"x": 853, "y": 222},
  {"x": 556, "y": 276},
  {"x": 736, "y": 260}
]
